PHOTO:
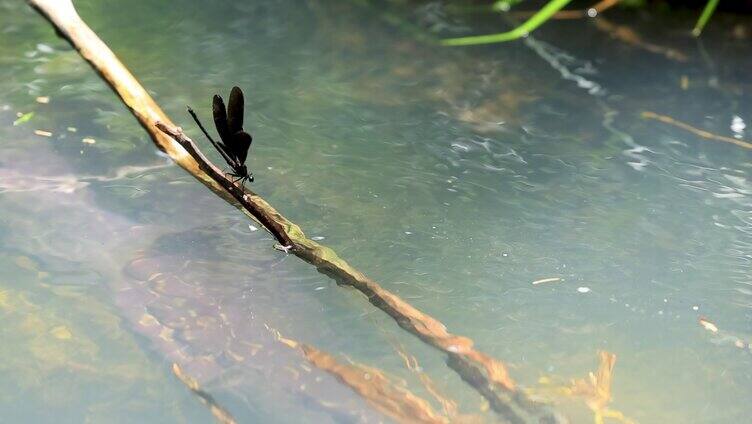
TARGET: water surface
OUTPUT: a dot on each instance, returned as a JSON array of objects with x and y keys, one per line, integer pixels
[{"x": 455, "y": 177}]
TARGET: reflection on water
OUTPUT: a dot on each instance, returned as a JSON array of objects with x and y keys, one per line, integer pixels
[{"x": 456, "y": 177}]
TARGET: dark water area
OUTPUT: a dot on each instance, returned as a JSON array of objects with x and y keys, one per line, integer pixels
[{"x": 456, "y": 177}]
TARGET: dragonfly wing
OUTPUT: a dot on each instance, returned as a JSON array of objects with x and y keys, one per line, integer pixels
[
  {"x": 241, "y": 142},
  {"x": 228, "y": 154},
  {"x": 220, "y": 118},
  {"x": 235, "y": 110}
]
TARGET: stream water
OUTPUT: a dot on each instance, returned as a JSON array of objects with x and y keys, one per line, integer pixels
[{"x": 455, "y": 177}]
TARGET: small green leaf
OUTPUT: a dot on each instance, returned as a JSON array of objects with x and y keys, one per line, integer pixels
[{"x": 26, "y": 117}]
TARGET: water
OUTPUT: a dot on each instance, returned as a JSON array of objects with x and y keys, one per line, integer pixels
[{"x": 455, "y": 177}]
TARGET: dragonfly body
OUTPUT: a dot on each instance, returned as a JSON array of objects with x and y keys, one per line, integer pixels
[{"x": 234, "y": 141}]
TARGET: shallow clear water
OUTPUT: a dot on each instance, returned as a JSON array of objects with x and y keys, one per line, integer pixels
[{"x": 454, "y": 177}]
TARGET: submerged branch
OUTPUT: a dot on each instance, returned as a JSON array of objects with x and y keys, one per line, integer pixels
[
  {"x": 220, "y": 414},
  {"x": 696, "y": 131},
  {"x": 486, "y": 374},
  {"x": 628, "y": 36},
  {"x": 594, "y": 390},
  {"x": 388, "y": 398}
]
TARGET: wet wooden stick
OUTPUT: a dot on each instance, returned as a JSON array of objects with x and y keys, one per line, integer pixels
[{"x": 486, "y": 374}]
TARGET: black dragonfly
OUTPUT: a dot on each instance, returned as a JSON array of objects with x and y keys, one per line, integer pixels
[{"x": 234, "y": 142}]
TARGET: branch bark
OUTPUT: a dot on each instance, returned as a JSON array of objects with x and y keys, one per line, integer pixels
[{"x": 486, "y": 374}]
